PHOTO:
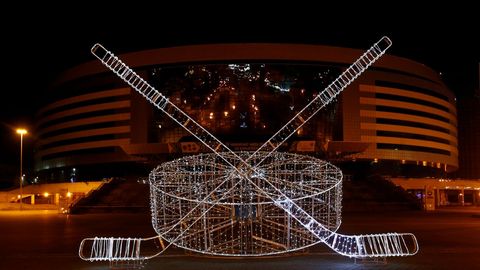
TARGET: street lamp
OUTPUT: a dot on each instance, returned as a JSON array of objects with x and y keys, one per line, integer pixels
[{"x": 22, "y": 132}]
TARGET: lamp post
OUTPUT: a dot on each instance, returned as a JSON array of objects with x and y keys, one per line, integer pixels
[{"x": 22, "y": 132}]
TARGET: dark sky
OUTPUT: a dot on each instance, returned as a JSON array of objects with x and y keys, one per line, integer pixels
[{"x": 39, "y": 45}]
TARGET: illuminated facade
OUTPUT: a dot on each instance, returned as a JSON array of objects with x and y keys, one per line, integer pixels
[{"x": 399, "y": 110}]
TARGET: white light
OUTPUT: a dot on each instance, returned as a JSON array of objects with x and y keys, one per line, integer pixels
[{"x": 231, "y": 169}]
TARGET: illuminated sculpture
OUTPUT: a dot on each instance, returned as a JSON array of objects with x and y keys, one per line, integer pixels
[{"x": 246, "y": 203}]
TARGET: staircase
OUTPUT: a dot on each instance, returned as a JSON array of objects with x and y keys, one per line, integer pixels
[
  {"x": 119, "y": 195},
  {"x": 374, "y": 193}
]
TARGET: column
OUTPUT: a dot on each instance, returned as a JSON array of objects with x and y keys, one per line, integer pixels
[
  {"x": 429, "y": 198},
  {"x": 462, "y": 196},
  {"x": 57, "y": 198}
]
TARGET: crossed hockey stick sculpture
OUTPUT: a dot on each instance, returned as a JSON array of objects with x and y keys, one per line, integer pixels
[{"x": 197, "y": 200}]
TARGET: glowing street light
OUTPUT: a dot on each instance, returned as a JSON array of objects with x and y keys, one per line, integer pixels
[{"x": 22, "y": 132}]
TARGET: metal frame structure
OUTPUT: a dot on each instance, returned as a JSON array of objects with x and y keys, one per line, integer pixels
[
  {"x": 194, "y": 200},
  {"x": 242, "y": 221}
]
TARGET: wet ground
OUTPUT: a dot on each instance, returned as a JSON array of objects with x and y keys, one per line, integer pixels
[{"x": 46, "y": 240}]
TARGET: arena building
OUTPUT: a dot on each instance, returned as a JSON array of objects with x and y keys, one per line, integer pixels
[{"x": 93, "y": 125}]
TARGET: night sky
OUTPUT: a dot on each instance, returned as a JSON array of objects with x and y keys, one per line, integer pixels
[{"x": 39, "y": 45}]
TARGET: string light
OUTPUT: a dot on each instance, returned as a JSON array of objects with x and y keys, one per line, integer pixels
[
  {"x": 171, "y": 181},
  {"x": 280, "y": 185}
]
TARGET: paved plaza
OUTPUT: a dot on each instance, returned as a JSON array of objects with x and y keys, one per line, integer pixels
[{"x": 46, "y": 240}]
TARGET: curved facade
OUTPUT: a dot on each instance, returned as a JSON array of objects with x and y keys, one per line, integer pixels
[{"x": 399, "y": 110}]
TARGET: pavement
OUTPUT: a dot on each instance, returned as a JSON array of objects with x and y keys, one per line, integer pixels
[
  {"x": 459, "y": 209},
  {"x": 447, "y": 239}
]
